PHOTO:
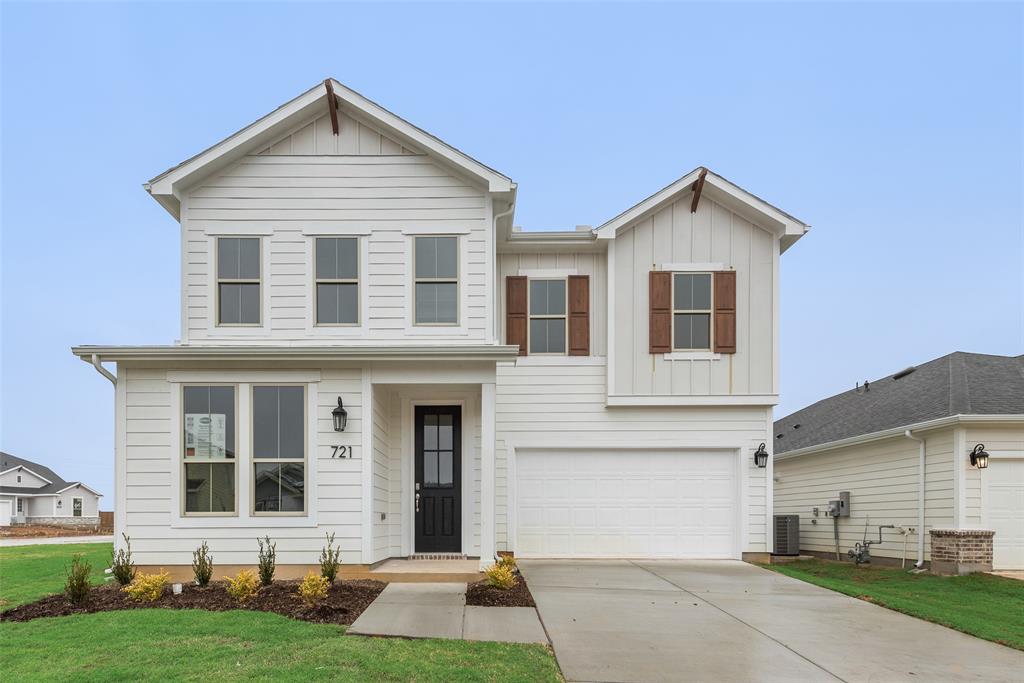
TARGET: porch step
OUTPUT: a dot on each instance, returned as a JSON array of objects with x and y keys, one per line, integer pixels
[
  {"x": 414, "y": 571},
  {"x": 437, "y": 556}
]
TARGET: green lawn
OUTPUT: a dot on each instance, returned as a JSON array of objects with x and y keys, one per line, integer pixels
[
  {"x": 164, "y": 644},
  {"x": 986, "y": 606},
  {"x": 32, "y": 571},
  {"x": 196, "y": 645}
]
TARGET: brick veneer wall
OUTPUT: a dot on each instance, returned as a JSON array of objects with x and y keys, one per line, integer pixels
[{"x": 961, "y": 551}]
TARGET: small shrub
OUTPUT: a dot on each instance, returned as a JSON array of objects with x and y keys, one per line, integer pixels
[
  {"x": 147, "y": 587},
  {"x": 202, "y": 565},
  {"x": 500, "y": 576},
  {"x": 313, "y": 589},
  {"x": 121, "y": 565},
  {"x": 330, "y": 560},
  {"x": 77, "y": 585},
  {"x": 243, "y": 586},
  {"x": 268, "y": 561},
  {"x": 508, "y": 561}
]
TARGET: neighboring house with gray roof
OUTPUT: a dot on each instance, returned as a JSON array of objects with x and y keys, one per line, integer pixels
[
  {"x": 31, "y": 493},
  {"x": 858, "y": 441}
]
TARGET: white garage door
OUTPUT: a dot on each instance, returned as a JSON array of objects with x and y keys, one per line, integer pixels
[
  {"x": 640, "y": 503},
  {"x": 1004, "y": 482},
  {"x": 5, "y": 513}
]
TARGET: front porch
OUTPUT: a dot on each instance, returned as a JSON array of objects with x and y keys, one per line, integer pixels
[{"x": 428, "y": 475}]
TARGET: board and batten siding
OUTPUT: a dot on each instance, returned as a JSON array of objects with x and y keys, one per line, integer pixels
[
  {"x": 591, "y": 264},
  {"x": 287, "y": 199},
  {"x": 150, "y": 463},
  {"x": 882, "y": 478},
  {"x": 563, "y": 405},
  {"x": 712, "y": 235},
  {"x": 317, "y": 137}
]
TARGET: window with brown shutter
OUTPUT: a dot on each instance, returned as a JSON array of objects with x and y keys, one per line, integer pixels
[
  {"x": 516, "y": 312},
  {"x": 579, "y": 315},
  {"x": 660, "y": 291},
  {"x": 725, "y": 311}
]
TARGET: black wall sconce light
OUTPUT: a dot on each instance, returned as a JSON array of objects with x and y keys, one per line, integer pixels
[
  {"x": 979, "y": 458},
  {"x": 340, "y": 416},
  {"x": 761, "y": 456}
]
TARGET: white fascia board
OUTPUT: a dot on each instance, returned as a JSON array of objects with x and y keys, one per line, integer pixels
[
  {"x": 30, "y": 495},
  {"x": 22, "y": 467},
  {"x": 927, "y": 425},
  {"x": 734, "y": 400},
  {"x": 79, "y": 484},
  {"x": 477, "y": 352}
]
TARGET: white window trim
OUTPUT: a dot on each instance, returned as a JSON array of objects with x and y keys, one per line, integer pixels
[
  {"x": 412, "y": 328},
  {"x": 243, "y": 461},
  {"x": 530, "y": 316},
  {"x": 253, "y": 460},
  {"x": 81, "y": 507},
  {"x": 695, "y": 354},
  {"x": 691, "y": 267},
  {"x": 315, "y": 329},
  {"x": 180, "y": 455},
  {"x": 216, "y": 330},
  {"x": 548, "y": 273}
]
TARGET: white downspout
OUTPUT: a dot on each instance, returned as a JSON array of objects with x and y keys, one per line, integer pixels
[
  {"x": 102, "y": 370},
  {"x": 920, "y": 499},
  {"x": 497, "y": 277}
]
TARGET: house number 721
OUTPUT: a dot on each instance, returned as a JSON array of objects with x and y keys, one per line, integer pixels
[{"x": 341, "y": 452}]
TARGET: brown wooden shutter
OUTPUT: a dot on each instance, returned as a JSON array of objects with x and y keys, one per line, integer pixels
[
  {"x": 725, "y": 311},
  {"x": 579, "y": 315},
  {"x": 661, "y": 311},
  {"x": 515, "y": 311}
]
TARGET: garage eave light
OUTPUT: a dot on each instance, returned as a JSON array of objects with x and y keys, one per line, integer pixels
[
  {"x": 979, "y": 458},
  {"x": 761, "y": 456}
]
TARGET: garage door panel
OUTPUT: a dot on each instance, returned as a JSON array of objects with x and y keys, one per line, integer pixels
[
  {"x": 626, "y": 504},
  {"x": 1004, "y": 482}
]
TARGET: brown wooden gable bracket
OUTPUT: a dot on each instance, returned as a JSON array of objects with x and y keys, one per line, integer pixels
[
  {"x": 332, "y": 105},
  {"x": 698, "y": 187}
]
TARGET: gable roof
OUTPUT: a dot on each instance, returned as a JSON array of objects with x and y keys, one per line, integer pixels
[
  {"x": 167, "y": 186},
  {"x": 730, "y": 195},
  {"x": 56, "y": 485},
  {"x": 956, "y": 384}
]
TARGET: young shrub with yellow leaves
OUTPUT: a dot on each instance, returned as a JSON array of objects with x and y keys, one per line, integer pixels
[
  {"x": 243, "y": 586},
  {"x": 500, "y": 576},
  {"x": 147, "y": 587},
  {"x": 313, "y": 589}
]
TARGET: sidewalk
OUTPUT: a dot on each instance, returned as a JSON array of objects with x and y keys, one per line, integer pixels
[{"x": 53, "y": 540}]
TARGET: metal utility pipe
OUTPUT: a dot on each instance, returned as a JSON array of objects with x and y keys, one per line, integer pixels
[{"x": 920, "y": 498}]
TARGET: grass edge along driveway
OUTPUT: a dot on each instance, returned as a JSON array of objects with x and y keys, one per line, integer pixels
[{"x": 981, "y": 605}]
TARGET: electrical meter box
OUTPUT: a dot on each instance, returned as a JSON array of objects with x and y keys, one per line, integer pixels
[{"x": 840, "y": 507}]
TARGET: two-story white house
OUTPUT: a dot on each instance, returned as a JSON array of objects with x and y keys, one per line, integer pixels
[{"x": 369, "y": 348}]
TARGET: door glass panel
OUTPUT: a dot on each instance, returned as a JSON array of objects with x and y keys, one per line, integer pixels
[
  {"x": 445, "y": 431},
  {"x": 445, "y": 470},
  {"x": 430, "y": 432},
  {"x": 430, "y": 468}
]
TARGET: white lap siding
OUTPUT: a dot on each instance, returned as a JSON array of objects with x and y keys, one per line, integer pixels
[
  {"x": 150, "y": 463},
  {"x": 563, "y": 405},
  {"x": 882, "y": 478}
]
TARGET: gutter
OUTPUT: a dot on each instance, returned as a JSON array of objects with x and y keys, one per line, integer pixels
[
  {"x": 920, "y": 498},
  {"x": 102, "y": 370},
  {"x": 94, "y": 354},
  {"x": 899, "y": 431}
]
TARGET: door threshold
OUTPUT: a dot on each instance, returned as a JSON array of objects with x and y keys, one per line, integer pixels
[{"x": 437, "y": 556}]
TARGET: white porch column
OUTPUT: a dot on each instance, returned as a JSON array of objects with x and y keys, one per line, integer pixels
[{"x": 487, "y": 542}]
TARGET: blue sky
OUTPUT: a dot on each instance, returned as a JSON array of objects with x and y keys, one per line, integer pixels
[{"x": 895, "y": 130}]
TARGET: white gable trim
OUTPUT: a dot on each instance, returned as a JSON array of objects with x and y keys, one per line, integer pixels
[
  {"x": 167, "y": 187},
  {"x": 18, "y": 468},
  {"x": 717, "y": 189},
  {"x": 78, "y": 484}
]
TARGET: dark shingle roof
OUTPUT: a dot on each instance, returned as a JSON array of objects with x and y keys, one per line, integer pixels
[
  {"x": 957, "y": 384},
  {"x": 8, "y": 461}
]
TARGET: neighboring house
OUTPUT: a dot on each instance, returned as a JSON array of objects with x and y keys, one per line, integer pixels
[
  {"x": 501, "y": 388},
  {"x": 33, "y": 494},
  {"x": 865, "y": 441}
]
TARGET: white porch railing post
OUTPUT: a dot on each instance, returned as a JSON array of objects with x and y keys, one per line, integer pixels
[{"x": 487, "y": 541}]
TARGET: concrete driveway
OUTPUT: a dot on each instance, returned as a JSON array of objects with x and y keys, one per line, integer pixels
[{"x": 726, "y": 621}]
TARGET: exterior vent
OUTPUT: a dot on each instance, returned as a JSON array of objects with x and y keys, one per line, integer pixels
[
  {"x": 787, "y": 534},
  {"x": 903, "y": 373}
]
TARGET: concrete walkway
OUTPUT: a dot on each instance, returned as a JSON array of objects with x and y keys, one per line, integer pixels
[
  {"x": 729, "y": 621},
  {"x": 439, "y": 610},
  {"x": 53, "y": 540}
]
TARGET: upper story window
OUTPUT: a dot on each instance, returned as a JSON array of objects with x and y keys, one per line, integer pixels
[
  {"x": 279, "y": 449},
  {"x": 547, "y": 307},
  {"x": 208, "y": 451},
  {"x": 238, "y": 281},
  {"x": 337, "y": 281},
  {"x": 691, "y": 311},
  {"x": 436, "y": 281}
]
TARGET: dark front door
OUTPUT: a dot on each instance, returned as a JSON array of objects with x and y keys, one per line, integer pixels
[{"x": 438, "y": 487}]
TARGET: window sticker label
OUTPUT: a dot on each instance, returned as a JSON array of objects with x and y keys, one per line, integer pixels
[{"x": 205, "y": 435}]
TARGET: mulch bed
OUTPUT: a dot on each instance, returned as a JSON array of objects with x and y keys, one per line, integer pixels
[
  {"x": 482, "y": 595},
  {"x": 346, "y": 600}
]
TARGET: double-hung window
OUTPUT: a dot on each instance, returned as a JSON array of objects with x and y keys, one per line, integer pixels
[
  {"x": 337, "y": 280},
  {"x": 76, "y": 507},
  {"x": 238, "y": 281},
  {"x": 691, "y": 311},
  {"x": 547, "y": 307},
  {"x": 436, "y": 281},
  {"x": 279, "y": 449},
  {"x": 208, "y": 450}
]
